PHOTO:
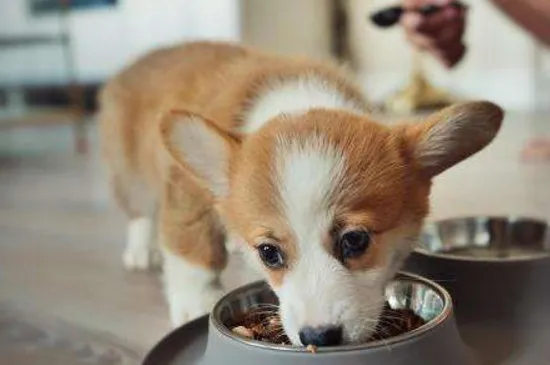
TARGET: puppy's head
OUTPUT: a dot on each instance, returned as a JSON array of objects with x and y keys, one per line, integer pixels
[{"x": 329, "y": 203}]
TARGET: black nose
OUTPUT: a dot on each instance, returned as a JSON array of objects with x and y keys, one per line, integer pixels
[{"x": 321, "y": 336}]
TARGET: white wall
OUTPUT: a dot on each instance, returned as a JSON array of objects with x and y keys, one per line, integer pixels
[
  {"x": 297, "y": 27},
  {"x": 500, "y": 64},
  {"x": 542, "y": 77},
  {"x": 107, "y": 39}
]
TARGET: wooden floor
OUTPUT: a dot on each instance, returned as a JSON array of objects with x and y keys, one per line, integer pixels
[{"x": 61, "y": 243}]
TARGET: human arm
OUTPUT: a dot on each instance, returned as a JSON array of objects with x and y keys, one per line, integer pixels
[{"x": 533, "y": 15}]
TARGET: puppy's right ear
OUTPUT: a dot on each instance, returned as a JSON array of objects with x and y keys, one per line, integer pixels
[{"x": 201, "y": 147}]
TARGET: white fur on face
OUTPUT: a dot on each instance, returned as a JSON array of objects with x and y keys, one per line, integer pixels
[
  {"x": 296, "y": 96},
  {"x": 317, "y": 289}
]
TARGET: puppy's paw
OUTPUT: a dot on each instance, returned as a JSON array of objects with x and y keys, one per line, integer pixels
[
  {"x": 141, "y": 252},
  {"x": 193, "y": 304},
  {"x": 141, "y": 258}
]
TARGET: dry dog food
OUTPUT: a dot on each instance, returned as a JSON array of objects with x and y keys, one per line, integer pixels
[
  {"x": 395, "y": 322},
  {"x": 262, "y": 325},
  {"x": 266, "y": 326}
]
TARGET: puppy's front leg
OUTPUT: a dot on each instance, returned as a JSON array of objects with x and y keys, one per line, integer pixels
[
  {"x": 141, "y": 252},
  {"x": 194, "y": 255}
]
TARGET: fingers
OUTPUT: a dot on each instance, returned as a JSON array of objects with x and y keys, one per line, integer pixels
[
  {"x": 439, "y": 34},
  {"x": 414, "y": 4},
  {"x": 427, "y": 36},
  {"x": 451, "y": 56},
  {"x": 432, "y": 24}
]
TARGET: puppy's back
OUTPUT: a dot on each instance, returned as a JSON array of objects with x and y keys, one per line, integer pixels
[
  {"x": 131, "y": 102},
  {"x": 216, "y": 80}
]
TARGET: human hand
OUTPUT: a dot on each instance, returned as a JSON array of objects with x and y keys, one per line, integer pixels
[{"x": 439, "y": 34}]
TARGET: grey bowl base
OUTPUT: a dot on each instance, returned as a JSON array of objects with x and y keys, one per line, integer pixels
[
  {"x": 498, "y": 344},
  {"x": 183, "y": 346},
  {"x": 186, "y": 345}
]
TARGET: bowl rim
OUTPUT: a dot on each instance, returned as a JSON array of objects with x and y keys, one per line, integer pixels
[
  {"x": 545, "y": 255},
  {"x": 446, "y": 314}
]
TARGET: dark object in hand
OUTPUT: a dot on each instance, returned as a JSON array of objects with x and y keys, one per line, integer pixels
[
  {"x": 390, "y": 16},
  {"x": 266, "y": 326}
]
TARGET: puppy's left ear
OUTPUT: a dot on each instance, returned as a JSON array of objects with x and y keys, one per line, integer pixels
[
  {"x": 452, "y": 135},
  {"x": 200, "y": 147}
]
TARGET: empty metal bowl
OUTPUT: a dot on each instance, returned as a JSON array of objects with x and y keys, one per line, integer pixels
[
  {"x": 436, "y": 342},
  {"x": 497, "y": 270}
]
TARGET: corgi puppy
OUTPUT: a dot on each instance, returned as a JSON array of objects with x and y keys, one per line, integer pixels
[{"x": 211, "y": 142}]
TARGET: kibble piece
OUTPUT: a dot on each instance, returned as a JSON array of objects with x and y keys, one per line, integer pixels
[
  {"x": 311, "y": 348},
  {"x": 264, "y": 326},
  {"x": 243, "y": 331}
]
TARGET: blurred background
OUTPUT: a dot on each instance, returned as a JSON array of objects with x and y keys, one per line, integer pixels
[
  {"x": 52, "y": 55},
  {"x": 61, "y": 238}
]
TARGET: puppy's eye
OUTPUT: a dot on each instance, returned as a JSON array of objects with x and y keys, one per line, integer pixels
[
  {"x": 271, "y": 255},
  {"x": 354, "y": 243}
]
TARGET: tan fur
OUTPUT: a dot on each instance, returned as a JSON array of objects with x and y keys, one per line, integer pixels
[
  {"x": 171, "y": 130},
  {"x": 380, "y": 190},
  {"x": 216, "y": 80},
  {"x": 385, "y": 186}
]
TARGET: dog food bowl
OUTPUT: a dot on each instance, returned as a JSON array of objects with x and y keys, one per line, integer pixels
[
  {"x": 209, "y": 341},
  {"x": 497, "y": 271}
]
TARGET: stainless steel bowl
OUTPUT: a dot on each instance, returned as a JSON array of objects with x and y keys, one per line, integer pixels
[
  {"x": 497, "y": 270},
  {"x": 489, "y": 239},
  {"x": 434, "y": 343}
]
